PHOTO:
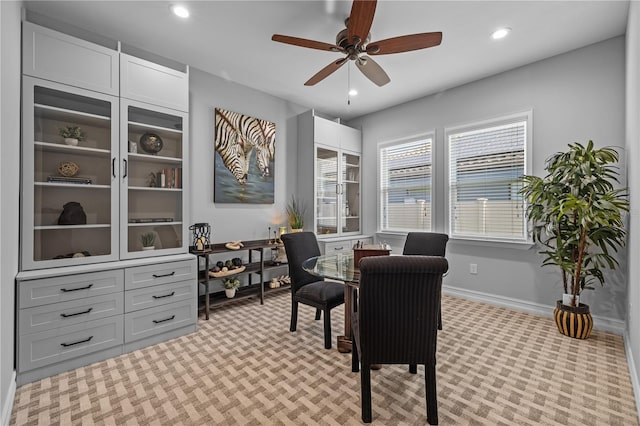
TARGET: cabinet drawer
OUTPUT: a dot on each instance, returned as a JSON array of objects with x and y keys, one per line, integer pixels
[
  {"x": 162, "y": 273},
  {"x": 70, "y": 287},
  {"x": 47, "y": 317},
  {"x": 52, "y": 346},
  {"x": 338, "y": 246},
  {"x": 149, "y": 322},
  {"x": 149, "y": 297}
]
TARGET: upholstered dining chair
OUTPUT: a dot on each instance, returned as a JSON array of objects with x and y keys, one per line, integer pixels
[
  {"x": 306, "y": 288},
  {"x": 395, "y": 321}
]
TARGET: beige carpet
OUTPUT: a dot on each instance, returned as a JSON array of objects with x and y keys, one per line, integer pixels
[{"x": 243, "y": 366}]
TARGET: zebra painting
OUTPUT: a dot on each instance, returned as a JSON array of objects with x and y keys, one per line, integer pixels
[{"x": 241, "y": 176}]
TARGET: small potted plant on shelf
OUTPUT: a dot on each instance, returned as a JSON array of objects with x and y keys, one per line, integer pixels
[
  {"x": 576, "y": 214},
  {"x": 295, "y": 212},
  {"x": 71, "y": 134},
  {"x": 148, "y": 240},
  {"x": 230, "y": 286}
]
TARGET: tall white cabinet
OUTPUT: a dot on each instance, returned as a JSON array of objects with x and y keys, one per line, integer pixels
[
  {"x": 87, "y": 288},
  {"x": 329, "y": 180}
]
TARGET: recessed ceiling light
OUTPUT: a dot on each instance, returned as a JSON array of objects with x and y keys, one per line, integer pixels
[
  {"x": 500, "y": 33},
  {"x": 353, "y": 92},
  {"x": 180, "y": 11}
]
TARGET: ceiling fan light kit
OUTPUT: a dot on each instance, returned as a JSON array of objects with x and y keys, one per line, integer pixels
[{"x": 354, "y": 42}]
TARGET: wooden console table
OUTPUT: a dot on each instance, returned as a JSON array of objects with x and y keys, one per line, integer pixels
[{"x": 257, "y": 265}]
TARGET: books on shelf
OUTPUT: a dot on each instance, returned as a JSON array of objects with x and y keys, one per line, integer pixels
[
  {"x": 170, "y": 177},
  {"x": 64, "y": 179},
  {"x": 151, "y": 220}
]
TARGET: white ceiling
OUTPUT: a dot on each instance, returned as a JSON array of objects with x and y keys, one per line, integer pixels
[{"x": 232, "y": 39}]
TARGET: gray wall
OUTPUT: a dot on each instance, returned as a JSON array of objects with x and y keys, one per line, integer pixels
[
  {"x": 575, "y": 97},
  {"x": 633, "y": 155},
  {"x": 238, "y": 221},
  {"x": 9, "y": 192}
]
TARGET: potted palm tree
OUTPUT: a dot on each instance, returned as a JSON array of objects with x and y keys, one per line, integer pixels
[
  {"x": 295, "y": 212},
  {"x": 576, "y": 214}
]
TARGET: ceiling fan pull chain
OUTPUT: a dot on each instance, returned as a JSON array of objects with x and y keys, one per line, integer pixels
[{"x": 349, "y": 83}]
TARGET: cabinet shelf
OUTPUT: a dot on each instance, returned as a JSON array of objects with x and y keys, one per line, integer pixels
[
  {"x": 71, "y": 185},
  {"x": 56, "y": 227},
  {"x": 153, "y": 188},
  {"x": 63, "y": 114},
  {"x": 154, "y": 158},
  {"x": 143, "y": 126},
  {"x": 154, "y": 224},
  {"x": 76, "y": 150}
]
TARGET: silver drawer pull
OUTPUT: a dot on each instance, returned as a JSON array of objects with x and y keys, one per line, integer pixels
[
  {"x": 76, "y": 343},
  {"x": 165, "y": 275},
  {"x": 77, "y": 313},
  {"x": 66, "y": 290},
  {"x": 338, "y": 248},
  {"x": 166, "y": 295},
  {"x": 164, "y": 320}
]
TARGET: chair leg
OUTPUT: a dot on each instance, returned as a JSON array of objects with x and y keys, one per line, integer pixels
[
  {"x": 440, "y": 320},
  {"x": 365, "y": 392},
  {"x": 327, "y": 329},
  {"x": 355, "y": 358},
  {"x": 413, "y": 368},
  {"x": 294, "y": 316},
  {"x": 432, "y": 397},
  {"x": 318, "y": 314}
]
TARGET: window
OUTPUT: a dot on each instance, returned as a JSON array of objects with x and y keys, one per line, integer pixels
[
  {"x": 405, "y": 185},
  {"x": 486, "y": 164}
]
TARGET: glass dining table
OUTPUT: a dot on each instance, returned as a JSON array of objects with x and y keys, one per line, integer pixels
[{"x": 339, "y": 267}]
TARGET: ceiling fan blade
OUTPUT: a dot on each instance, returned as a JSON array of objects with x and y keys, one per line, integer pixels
[
  {"x": 373, "y": 71},
  {"x": 360, "y": 20},
  {"x": 405, "y": 43},
  {"x": 326, "y": 72},
  {"x": 303, "y": 42}
]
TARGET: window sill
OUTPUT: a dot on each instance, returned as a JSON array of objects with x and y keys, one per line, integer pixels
[{"x": 524, "y": 245}]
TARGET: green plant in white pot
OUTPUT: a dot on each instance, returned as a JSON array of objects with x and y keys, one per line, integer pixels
[
  {"x": 71, "y": 134},
  {"x": 576, "y": 214},
  {"x": 230, "y": 286}
]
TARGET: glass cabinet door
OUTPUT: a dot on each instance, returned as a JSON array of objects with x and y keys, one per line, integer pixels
[
  {"x": 70, "y": 201},
  {"x": 327, "y": 191},
  {"x": 350, "y": 191},
  {"x": 152, "y": 200}
]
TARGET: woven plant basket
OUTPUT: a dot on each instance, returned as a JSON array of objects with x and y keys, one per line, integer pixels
[{"x": 573, "y": 321}]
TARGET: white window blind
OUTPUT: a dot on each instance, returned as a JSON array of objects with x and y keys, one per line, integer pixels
[
  {"x": 486, "y": 165},
  {"x": 405, "y": 186}
]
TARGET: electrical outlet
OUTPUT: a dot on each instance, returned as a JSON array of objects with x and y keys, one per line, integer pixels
[{"x": 473, "y": 268}]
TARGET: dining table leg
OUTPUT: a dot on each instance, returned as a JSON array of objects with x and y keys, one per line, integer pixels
[{"x": 344, "y": 342}]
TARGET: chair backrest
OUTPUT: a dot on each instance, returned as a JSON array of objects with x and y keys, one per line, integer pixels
[
  {"x": 425, "y": 244},
  {"x": 300, "y": 246},
  {"x": 399, "y": 302}
]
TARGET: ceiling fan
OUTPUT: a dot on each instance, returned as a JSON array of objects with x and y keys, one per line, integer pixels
[{"x": 354, "y": 43}]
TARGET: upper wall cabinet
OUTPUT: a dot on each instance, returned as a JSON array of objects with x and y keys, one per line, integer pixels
[
  {"x": 332, "y": 151},
  {"x": 61, "y": 58},
  {"x": 154, "y": 84}
]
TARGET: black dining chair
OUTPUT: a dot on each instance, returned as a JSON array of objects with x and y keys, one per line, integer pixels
[
  {"x": 306, "y": 288},
  {"x": 395, "y": 321}
]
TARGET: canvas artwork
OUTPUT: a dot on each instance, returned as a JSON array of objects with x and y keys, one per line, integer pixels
[{"x": 244, "y": 158}]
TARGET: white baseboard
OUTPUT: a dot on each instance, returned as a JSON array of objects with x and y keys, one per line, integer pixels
[
  {"x": 599, "y": 323},
  {"x": 8, "y": 402},
  {"x": 633, "y": 373}
]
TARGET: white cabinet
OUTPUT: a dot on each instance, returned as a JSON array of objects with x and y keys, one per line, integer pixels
[
  {"x": 58, "y": 57},
  {"x": 332, "y": 151},
  {"x": 49, "y": 182},
  {"x": 122, "y": 190},
  {"x": 153, "y": 198}
]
